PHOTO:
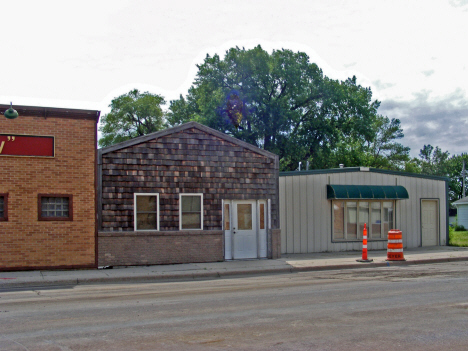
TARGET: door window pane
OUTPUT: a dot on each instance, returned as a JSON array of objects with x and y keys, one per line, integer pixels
[
  {"x": 338, "y": 220},
  {"x": 262, "y": 216},
  {"x": 376, "y": 221},
  {"x": 227, "y": 220},
  {"x": 363, "y": 216},
  {"x": 351, "y": 216},
  {"x": 244, "y": 216}
]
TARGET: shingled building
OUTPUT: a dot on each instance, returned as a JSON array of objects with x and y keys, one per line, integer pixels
[{"x": 186, "y": 194}]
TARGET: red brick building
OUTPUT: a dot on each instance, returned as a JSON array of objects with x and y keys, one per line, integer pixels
[
  {"x": 47, "y": 188},
  {"x": 187, "y": 194}
]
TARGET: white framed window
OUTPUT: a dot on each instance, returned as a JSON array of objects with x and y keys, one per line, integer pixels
[
  {"x": 146, "y": 211},
  {"x": 190, "y": 211},
  {"x": 349, "y": 217}
]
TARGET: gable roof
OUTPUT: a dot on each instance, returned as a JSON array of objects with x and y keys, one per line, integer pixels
[
  {"x": 462, "y": 201},
  {"x": 180, "y": 128}
]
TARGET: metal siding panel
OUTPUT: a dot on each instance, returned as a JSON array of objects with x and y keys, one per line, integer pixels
[
  {"x": 297, "y": 214},
  {"x": 289, "y": 215},
  {"x": 283, "y": 217},
  {"x": 400, "y": 213},
  {"x": 325, "y": 223},
  {"x": 317, "y": 212},
  {"x": 415, "y": 214},
  {"x": 303, "y": 213},
  {"x": 311, "y": 215},
  {"x": 463, "y": 215},
  {"x": 443, "y": 211}
]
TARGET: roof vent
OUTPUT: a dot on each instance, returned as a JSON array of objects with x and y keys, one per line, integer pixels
[{"x": 341, "y": 165}]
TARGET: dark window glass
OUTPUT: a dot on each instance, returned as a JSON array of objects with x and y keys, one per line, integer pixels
[
  {"x": 55, "y": 207},
  {"x": 2, "y": 207}
]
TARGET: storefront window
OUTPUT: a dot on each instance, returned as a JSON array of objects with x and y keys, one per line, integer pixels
[
  {"x": 349, "y": 218},
  {"x": 338, "y": 220},
  {"x": 376, "y": 221},
  {"x": 363, "y": 216},
  {"x": 387, "y": 216}
]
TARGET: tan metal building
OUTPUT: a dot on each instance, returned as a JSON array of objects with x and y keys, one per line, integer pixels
[{"x": 325, "y": 210}]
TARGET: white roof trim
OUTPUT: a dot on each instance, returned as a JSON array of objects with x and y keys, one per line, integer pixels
[{"x": 462, "y": 201}]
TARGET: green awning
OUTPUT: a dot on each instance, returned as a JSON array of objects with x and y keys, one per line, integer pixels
[{"x": 369, "y": 192}]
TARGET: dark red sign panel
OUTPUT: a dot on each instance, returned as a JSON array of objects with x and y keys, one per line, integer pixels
[{"x": 26, "y": 145}]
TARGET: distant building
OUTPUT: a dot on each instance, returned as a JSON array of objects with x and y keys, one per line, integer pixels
[{"x": 462, "y": 211}]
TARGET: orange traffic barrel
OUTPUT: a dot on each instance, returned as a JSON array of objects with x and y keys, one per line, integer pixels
[{"x": 395, "y": 246}]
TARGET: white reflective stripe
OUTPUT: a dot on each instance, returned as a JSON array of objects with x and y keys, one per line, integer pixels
[
  {"x": 395, "y": 250},
  {"x": 365, "y": 237},
  {"x": 364, "y": 246},
  {"x": 395, "y": 241}
]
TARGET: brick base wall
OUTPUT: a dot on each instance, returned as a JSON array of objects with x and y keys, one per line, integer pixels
[
  {"x": 167, "y": 247},
  {"x": 275, "y": 243}
]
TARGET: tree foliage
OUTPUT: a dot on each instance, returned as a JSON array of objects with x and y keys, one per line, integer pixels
[
  {"x": 132, "y": 115},
  {"x": 285, "y": 104},
  {"x": 433, "y": 161}
]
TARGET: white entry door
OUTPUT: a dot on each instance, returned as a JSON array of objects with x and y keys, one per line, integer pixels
[
  {"x": 244, "y": 229},
  {"x": 429, "y": 223}
]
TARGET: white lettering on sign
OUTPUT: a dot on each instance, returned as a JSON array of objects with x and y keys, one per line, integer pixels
[{"x": 9, "y": 138}]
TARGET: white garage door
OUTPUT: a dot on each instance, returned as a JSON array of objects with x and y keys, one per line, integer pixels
[{"x": 429, "y": 223}]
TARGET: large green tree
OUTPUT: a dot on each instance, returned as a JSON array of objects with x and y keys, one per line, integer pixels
[
  {"x": 132, "y": 115},
  {"x": 434, "y": 161},
  {"x": 285, "y": 104}
]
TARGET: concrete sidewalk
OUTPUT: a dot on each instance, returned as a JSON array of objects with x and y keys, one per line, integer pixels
[{"x": 290, "y": 263}]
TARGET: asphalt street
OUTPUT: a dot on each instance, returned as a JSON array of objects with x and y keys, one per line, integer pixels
[{"x": 422, "y": 307}]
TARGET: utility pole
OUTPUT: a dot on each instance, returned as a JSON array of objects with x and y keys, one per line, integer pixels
[{"x": 463, "y": 182}]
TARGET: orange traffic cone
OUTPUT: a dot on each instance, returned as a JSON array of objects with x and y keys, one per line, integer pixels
[{"x": 364, "y": 246}]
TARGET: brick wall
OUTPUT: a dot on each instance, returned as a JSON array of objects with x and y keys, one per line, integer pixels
[
  {"x": 148, "y": 248},
  {"x": 25, "y": 242}
]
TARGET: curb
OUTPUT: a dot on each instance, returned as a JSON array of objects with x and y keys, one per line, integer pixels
[{"x": 217, "y": 274}]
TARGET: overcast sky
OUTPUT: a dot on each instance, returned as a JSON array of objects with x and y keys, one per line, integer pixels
[{"x": 81, "y": 54}]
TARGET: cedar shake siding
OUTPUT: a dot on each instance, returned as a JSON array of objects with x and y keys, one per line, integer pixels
[{"x": 190, "y": 158}]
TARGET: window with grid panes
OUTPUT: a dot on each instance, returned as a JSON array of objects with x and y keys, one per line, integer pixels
[
  {"x": 3, "y": 207},
  {"x": 191, "y": 211},
  {"x": 349, "y": 218},
  {"x": 146, "y": 211},
  {"x": 55, "y": 207}
]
